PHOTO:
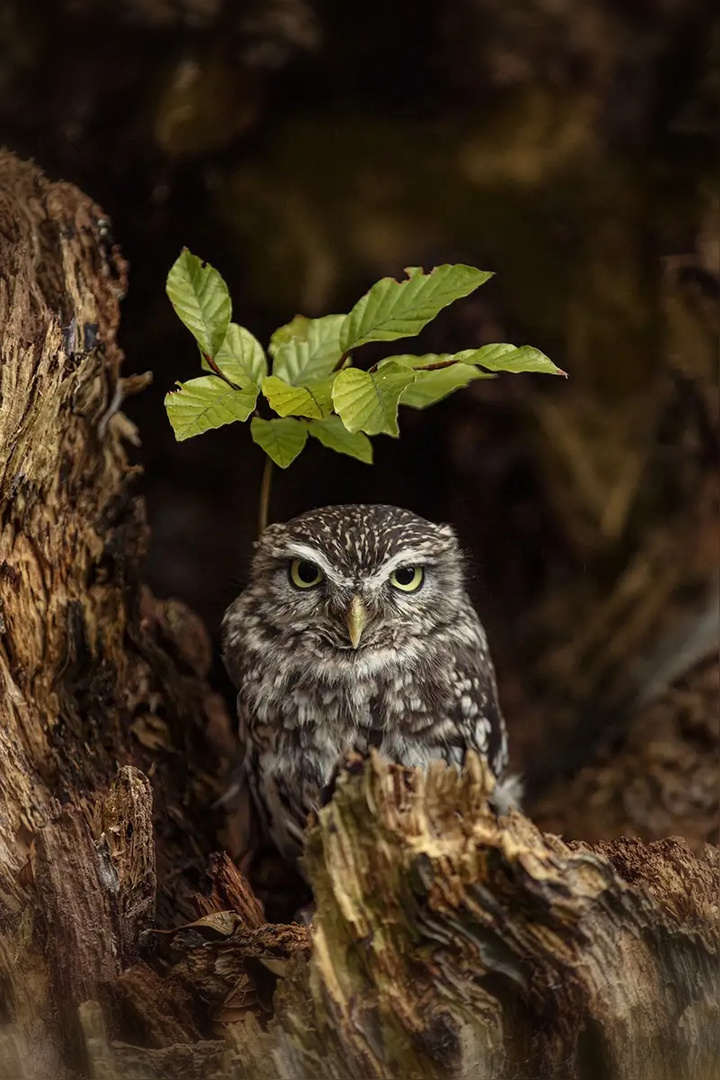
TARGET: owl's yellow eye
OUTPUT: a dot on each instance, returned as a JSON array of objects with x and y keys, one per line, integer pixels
[
  {"x": 407, "y": 578},
  {"x": 304, "y": 574}
]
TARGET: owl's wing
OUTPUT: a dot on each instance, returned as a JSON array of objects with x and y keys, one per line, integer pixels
[
  {"x": 283, "y": 810},
  {"x": 281, "y": 804},
  {"x": 472, "y": 708},
  {"x": 243, "y": 717},
  {"x": 475, "y": 720}
]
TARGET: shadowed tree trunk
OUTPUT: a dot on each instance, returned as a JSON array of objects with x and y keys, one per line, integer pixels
[
  {"x": 94, "y": 672},
  {"x": 446, "y": 942}
]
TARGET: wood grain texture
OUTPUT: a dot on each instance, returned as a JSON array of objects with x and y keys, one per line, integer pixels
[
  {"x": 449, "y": 943},
  {"x": 94, "y": 672}
]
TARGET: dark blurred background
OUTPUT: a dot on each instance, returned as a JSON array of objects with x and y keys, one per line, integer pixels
[{"x": 308, "y": 148}]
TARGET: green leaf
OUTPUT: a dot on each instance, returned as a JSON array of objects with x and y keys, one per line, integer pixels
[
  {"x": 369, "y": 402},
  {"x": 509, "y": 358},
  {"x": 433, "y": 386},
  {"x": 294, "y": 329},
  {"x": 201, "y": 300},
  {"x": 333, "y": 434},
  {"x": 282, "y": 440},
  {"x": 312, "y": 352},
  {"x": 241, "y": 357},
  {"x": 313, "y": 400},
  {"x": 393, "y": 309},
  {"x": 205, "y": 403}
]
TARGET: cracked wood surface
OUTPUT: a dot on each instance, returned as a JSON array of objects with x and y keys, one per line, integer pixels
[
  {"x": 448, "y": 943},
  {"x": 94, "y": 672}
]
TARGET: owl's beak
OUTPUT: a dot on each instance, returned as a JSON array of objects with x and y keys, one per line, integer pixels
[{"x": 356, "y": 618}]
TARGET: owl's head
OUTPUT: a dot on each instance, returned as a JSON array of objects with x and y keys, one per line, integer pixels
[{"x": 355, "y": 578}]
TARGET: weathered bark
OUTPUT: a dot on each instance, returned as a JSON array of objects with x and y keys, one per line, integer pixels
[
  {"x": 446, "y": 942},
  {"x": 94, "y": 673}
]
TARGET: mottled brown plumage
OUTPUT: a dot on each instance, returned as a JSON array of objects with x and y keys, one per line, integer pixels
[{"x": 356, "y": 631}]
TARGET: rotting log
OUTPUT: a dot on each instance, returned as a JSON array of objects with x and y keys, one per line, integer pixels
[
  {"x": 493, "y": 950},
  {"x": 94, "y": 672},
  {"x": 449, "y": 943},
  {"x": 446, "y": 943}
]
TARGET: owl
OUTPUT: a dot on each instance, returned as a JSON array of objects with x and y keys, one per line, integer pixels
[{"x": 355, "y": 631}]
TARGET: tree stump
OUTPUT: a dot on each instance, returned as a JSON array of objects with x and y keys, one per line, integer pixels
[
  {"x": 446, "y": 943},
  {"x": 94, "y": 672}
]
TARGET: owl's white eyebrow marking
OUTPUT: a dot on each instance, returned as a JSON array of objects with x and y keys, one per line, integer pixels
[
  {"x": 408, "y": 557},
  {"x": 295, "y": 550}
]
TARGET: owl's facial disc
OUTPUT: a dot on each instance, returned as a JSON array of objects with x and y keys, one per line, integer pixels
[{"x": 355, "y": 606}]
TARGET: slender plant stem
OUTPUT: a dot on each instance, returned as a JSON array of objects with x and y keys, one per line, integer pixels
[
  {"x": 342, "y": 360},
  {"x": 265, "y": 489},
  {"x": 216, "y": 371}
]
